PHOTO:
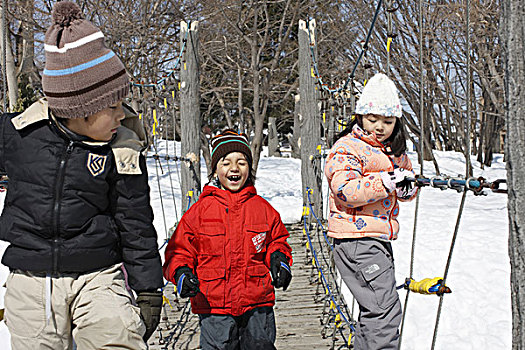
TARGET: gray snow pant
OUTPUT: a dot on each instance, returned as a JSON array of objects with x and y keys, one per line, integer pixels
[
  {"x": 367, "y": 268},
  {"x": 253, "y": 330},
  {"x": 94, "y": 309}
]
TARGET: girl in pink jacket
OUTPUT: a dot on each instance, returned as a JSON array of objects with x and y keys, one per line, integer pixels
[{"x": 366, "y": 170}]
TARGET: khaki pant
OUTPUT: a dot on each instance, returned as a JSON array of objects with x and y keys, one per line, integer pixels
[{"x": 94, "y": 309}]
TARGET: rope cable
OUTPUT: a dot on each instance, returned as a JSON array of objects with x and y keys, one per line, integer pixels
[
  {"x": 421, "y": 162},
  {"x": 468, "y": 171},
  {"x": 165, "y": 77},
  {"x": 323, "y": 85},
  {"x": 323, "y": 278},
  {"x": 168, "y": 165},
  {"x": 157, "y": 165},
  {"x": 365, "y": 45}
]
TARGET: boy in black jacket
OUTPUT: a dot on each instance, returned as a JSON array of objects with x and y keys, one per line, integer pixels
[{"x": 77, "y": 212}]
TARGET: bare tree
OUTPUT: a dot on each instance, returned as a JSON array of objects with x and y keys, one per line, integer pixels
[{"x": 513, "y": 39}]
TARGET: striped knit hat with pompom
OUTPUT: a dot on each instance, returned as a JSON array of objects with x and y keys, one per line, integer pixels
[
  {"x": 226, "y": 142},
  {"x": 81, "y": 76}
]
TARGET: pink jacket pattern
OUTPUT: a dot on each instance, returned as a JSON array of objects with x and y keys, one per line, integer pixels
[{"x": 360, "y": 205}]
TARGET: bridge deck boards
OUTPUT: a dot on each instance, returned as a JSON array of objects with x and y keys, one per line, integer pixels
[{"x": 298, "y": 312}]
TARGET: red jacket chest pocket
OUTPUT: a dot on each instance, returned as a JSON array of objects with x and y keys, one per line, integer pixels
[
  {"x": 211, "y": 242},
  {"x": 256, "y": 238}
]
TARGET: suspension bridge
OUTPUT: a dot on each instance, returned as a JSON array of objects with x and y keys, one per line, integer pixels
[{"x": 312, "y": 313}]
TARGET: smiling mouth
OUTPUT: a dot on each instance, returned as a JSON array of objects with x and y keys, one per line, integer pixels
[{"x": 234, "y": 178}]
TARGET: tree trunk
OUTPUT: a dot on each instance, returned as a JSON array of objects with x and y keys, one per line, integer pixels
[
  {"x": 190, "y": 115},
  {"x": 310, "y": 131},
  {"x": 12, "y": 83},
  {"x": 294, "y": 138},
  {"x": 273, "y": 139},
  {"x": 512, "y": 30}
]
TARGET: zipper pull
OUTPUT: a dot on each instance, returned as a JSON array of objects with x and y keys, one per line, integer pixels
[{"x": 70, "y": 147}]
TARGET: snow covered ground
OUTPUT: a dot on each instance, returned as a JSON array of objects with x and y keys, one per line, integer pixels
[{"x": 477, "y": 315}]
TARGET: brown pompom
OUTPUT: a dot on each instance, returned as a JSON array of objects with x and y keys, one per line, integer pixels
[{"x": 65, "y": 12}]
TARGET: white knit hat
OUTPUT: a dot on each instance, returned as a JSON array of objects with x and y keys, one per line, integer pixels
[{"x": 379, "y": 96}]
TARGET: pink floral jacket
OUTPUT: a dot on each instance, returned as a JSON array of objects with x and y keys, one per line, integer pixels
[{"x": 360, "y": 205}]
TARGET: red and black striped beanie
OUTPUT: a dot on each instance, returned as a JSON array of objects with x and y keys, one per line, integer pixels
[
  {"x": 226, "y": 142},
  {"x": 81, "y": 76}
]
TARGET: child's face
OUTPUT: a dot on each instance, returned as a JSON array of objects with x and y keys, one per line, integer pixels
[
  {"x": 233, "y": 171},
  {"x": 380, "y": 125},
  {"x": 100, "y": 126}
]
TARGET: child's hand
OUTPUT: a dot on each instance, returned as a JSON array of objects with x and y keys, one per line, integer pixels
[
  {"x": 187, "y": 282},
  {"x": 406, "y": 192},
  {"x": 280, "y": 270},
  {"x": 394, "y": 179}
]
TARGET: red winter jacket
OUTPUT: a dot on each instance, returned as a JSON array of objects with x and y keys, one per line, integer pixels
[{"x": 227, "y": 238}]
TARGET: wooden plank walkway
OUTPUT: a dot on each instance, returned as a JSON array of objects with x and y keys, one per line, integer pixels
[{"x": 298, "y": 311}]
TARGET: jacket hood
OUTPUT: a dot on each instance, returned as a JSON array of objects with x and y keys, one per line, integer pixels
[
  {"x": 227, "y": 197},
  {"x": 128, "y": 144}
]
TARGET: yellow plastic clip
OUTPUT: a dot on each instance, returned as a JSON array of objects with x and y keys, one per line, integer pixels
[
  {"x": 155, "y": 116},
  {"x": 190, "y": 193},
  {"x": 332, "y": 305},
  {"x": 140, "y": 116},
  {"x": 429, "y": 286},
  {"x": 173, "y": 94},
  {"x": 166, "y": 301},
  {"x": 179, "y": 85},
  {"x": 319, "y": 148},
  {"x": 350, "y": 336},
  {"x": 165, "y": 103},
  {"x": 312, "y": 72},
  {"x": 364, "y": 83},
  {"x": 324, "y": 117},
  {"x": 338, "y": 320},
  {"x": 306, "y": 211},
  {"x": 388, "y": 42},
  {"x": 310, "y": 191},
  {"x": 184, "y": 65}
]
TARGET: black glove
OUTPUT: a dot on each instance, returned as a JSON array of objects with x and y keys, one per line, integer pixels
[
  {"x": 280, "y": 270},
  {"x": 187, "y": 282},
  {"x": 150, "y": 304}
]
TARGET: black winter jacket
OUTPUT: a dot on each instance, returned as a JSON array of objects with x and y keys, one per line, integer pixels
[{"x": 74, "y": 206}]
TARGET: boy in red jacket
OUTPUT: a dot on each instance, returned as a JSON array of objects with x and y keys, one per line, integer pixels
[{"x": 224, "y": 250}]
